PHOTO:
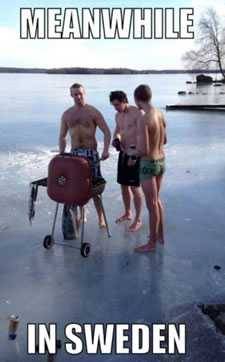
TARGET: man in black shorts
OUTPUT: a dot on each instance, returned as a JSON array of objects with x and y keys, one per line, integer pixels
[{"x": 125, "y": 140}]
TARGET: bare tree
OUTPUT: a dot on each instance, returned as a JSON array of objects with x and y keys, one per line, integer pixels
[{"x": 210, "y": 51}]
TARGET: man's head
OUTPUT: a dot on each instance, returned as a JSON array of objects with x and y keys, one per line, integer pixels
[
  {"x": 142, "y": 95},
  {"x": 119, "y": 100},
  {"x": 77, "y": 92}
]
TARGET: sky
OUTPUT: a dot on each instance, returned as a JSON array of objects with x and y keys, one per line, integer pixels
[{"x": 135, "y": 54}]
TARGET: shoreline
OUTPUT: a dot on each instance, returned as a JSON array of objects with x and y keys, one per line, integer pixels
[{"x": 101, "y": 71}]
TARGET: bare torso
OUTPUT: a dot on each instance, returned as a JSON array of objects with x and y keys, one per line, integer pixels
[
  {"x": 82, "y": 126},
  {"x": 155, "y": 123},
  {"x": 127, "y": 122}
]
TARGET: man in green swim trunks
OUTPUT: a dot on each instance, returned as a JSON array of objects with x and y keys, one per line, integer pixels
[{"x": 151, "y": 139}]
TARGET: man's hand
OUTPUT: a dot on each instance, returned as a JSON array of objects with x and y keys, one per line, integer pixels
[
  {"x": 105, "y": 155},
  {"x": 101, "y": 123},
  {"x": 116, "y": 144}
]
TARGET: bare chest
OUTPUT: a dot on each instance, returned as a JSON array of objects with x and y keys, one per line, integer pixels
[
  {"x": 81, "y": 119},
  {"x": 127, "y": 123}
]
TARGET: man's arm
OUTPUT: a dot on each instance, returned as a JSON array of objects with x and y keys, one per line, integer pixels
[
  {"x": 164, "y": 125},
  {"x": 142, "y": 137},
  {"x": 62, "y": 135},
  {"x": 101, "y": 123},
  {"x": 116, "y": 133}
]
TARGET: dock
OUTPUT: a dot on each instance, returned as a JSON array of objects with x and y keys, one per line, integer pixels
[{"x": 196, "y": 107}]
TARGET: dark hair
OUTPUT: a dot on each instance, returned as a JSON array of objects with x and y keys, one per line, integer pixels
[
  {"x": 143, "y": 93},
  {"x": 76, "y": 85},
  {"x": 118, "y": 96}
]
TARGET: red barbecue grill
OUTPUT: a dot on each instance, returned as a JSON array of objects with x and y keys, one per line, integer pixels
[{"x": 69, "y": 182}]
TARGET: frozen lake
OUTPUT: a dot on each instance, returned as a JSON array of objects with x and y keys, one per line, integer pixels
[{"x": 113, "y": 284}]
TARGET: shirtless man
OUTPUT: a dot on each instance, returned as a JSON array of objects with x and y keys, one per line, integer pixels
[
  {"x": 151, "y": 139},
  {"x": 81, "y": 122},
  {"x": 125, "y": 140}
]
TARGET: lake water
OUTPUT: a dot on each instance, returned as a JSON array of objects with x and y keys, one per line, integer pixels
[{"x": 31, "y": 107}]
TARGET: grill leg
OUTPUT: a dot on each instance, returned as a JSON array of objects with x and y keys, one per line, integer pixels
[
  {"x": 82, "y": 224},
  {"x": 54, "y": 221}
]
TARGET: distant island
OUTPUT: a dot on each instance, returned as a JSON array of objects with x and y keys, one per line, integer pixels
[{"x": 79, "y": 70}]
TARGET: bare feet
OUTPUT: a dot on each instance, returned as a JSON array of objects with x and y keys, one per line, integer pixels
[
  {"x": 146, "y": 248},
  {"x": 125, "y": 217},
  {"x": 137, "y": 224}
]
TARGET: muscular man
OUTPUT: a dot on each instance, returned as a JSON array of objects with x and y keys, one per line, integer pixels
[
  {"x": 81, "y": 122},
  {"x": 151, "y": 139},
  {"x": 125, "y": 140}
]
